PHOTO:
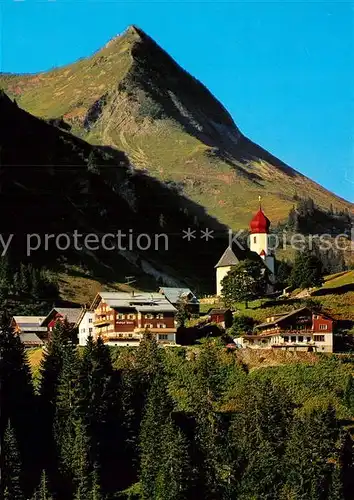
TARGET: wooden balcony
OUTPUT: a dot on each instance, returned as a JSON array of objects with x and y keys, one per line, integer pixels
[
  {"x": 102, "y": 321},
  {"x": 123, "y": 336}
]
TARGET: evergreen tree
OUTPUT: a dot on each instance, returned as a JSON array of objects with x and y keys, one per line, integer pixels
[
  {"x": 164, "y": 458},
  {"x": 85, "y": 474},
  {"x": 5, "y": 278},
  {"x": 66, "y": 411},
  {"x": 258, "y": 436},
  {"x": 308, "y": 461},
  {"x": 349, "y": 393},
  {"x": 283, "y": 273},
  {"x": 51, "y": 364},
  {"x": 17, "y": 397},
  {"x": 98, "y": 409},
  {"x": 307, "y": 271},
  {"x": 42, "y": 492},
  {"x": 136, "y": 380},
  {"x": 182, "y": 314},
  {"x": 11, "y": 468},
  {"x": 25, "y": 279}
]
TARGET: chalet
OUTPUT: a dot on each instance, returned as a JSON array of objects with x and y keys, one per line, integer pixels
[
  {"x": 174, "y": 295},
  {"x": 29, "y": 330},
  {"x": 71, "y": 314},
  {"x": 222, "y": 317},
  {"x": 84, "y": 325},
  {"x": 121, "y": 318},
  {"x": 301, "y": 329}
]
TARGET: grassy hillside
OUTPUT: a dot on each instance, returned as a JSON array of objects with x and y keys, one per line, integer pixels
[
  {"x": 56, "y": 183},
  {"x": 132, "y": 96}
]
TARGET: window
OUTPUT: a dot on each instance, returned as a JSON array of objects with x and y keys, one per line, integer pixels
[
  {"x": 90, "y": 320},
  {"x": 131, "y": 316},
  {"x": 254, "y": 239},
  {"x": 149, "y": 316},
  {"x": 323, "y": 327},
  {"x": 293, "y": 339},
  {"x": 319, "y": 338},
  {"x": 130, "y": 334},
  {"x": 163, "y": 337},
  {"x": 148, "y": 325},
  {"x": 120, "y": 316},
  {"x": 286, "y": 338},
  {"x": 161, "y": 325},
  {"x": 83, "y": 330},
  {"x": 159, "y": 316},
  {"x": 316, "y": 316},
  {"x": 308, "y": 339},
  {"x": 90, "y": 330},
  {"x": 301, "y": 338}
]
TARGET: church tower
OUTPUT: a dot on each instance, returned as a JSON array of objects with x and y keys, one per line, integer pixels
[{"x": 259, "y": 238}]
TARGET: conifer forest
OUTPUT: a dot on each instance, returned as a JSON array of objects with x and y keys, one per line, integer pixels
[{"x": 170, "y": 424}]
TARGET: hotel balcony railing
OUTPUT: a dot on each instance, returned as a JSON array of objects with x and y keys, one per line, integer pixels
[
  {"x": 120, "y": 336},
  {"x": 102, "y": 321}
]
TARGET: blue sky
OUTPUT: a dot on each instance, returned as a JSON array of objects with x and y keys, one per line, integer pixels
[{"x": 285, "y": 70}]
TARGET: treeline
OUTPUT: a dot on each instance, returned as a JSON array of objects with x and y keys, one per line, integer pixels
[
  {"x": 24, "y": 287},
  {"x": 158, "y": 425},
  {"x": 307, "y": 218}
]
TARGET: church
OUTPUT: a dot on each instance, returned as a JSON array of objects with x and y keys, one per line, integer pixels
[{"x": 258, "y": 244}]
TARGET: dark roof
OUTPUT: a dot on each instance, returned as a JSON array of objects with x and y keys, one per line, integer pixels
[
  {"x": 228, "y": 258},
  {"x": 282, "y": 318}
]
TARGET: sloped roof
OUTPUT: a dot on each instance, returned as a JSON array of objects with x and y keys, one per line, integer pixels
[
  {"x": 140, "y": 301},
  {"x": 30, "y": 339},
  {"x": 228, "y": 258},
  {"x": 173, "y": 294},
  {"x": 282, "y": 318},
  {"x": 29, "y": 320},
  {"x": 71, "y": 313},
  {"x": 218, "y": 311}
]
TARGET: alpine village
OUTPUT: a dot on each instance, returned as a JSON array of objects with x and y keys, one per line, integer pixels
[{"x": 217, "y": 362}]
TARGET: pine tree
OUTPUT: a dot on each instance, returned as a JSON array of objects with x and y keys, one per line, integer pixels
[
  {"x": 11, "y": 469},
  {"x": 307, "y": 271},
  {"x": 309, "y": 454},
  {"x": 258, "y": 436},
  {"x": 42, "y": 492},
  {"x": 51, "y": 364},
  {"x": 25, "y": 279},
  {"x": 349, "y": 393},
  {"x": 164, "y": 457},
  {"x": 66, "y": 411},
  {"x": 98, "y": 408},
  {"x": 17, "y": 395}
]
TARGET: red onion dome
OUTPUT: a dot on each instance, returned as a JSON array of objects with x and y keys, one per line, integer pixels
[{"x": 260, "y": 223}]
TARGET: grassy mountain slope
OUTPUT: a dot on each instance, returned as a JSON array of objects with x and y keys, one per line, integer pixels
[
  {"x": 132, "y": 96},
  {"x": 52, "y": 182}
]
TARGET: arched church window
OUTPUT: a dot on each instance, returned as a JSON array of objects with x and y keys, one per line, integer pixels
[{"x": 254, "y": 239}]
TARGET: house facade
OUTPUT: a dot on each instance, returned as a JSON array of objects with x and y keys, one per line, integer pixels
[
  {"x": 122, "y": 318},
  {"x": 301, "y": 329},
  {"x": 222, "y": 317},
  {"x": 85, "y": 326}
]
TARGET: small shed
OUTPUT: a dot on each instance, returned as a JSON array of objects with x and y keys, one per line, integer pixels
[{"x": 221, "y": 317}]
